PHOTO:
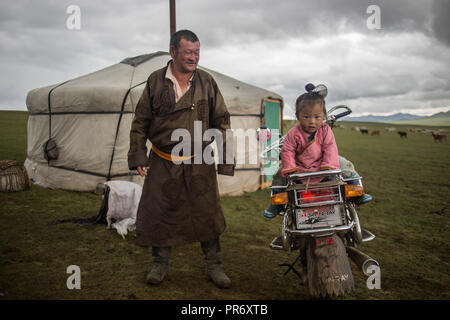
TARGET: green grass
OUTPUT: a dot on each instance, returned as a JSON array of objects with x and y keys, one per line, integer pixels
[
  {"x": 13, "y": 135},
  {"x": 408, "y": 178}
]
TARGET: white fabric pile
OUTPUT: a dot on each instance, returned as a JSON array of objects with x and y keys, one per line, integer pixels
[
  {"x": 347, "y": 167},
  {"x": 123, "y": 203}
]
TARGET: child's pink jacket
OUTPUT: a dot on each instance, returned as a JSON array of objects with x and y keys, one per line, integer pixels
[{"x": 319, "y": 154}]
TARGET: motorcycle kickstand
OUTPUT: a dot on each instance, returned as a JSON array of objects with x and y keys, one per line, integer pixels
[{"x": 291, "y": 267}]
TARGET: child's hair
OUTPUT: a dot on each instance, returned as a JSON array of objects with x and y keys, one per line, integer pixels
[{"x": 311, "y": 97}]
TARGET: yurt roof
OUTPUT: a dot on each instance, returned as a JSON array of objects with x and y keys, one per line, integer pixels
[{"x": 117, "y": 88}]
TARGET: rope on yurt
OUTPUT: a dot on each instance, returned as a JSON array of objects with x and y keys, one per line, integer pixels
[
  {"x": 50, "y": 113},
  {"x": 78, "y": 112},
  {"x": 95, "y": 173},
  {"x": 108, "y": 177}
]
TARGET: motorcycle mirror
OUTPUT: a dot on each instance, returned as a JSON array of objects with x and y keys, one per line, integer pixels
[{"x": 333, "y": 114}]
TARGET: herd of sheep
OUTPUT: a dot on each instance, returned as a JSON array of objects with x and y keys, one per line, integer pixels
[{"x": 436, "y": 134}]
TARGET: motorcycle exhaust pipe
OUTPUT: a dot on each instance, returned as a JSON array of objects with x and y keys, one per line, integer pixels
[{"x": 362, "y": 260}]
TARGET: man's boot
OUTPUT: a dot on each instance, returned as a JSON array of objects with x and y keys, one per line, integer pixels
[
  {"x": 161, "y": 256},
  {"x": 214, "y": 270}
]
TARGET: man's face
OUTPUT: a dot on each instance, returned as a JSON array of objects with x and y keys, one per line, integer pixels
[
  {"x": 311, "y": 118},
  {"x": 186, "y": 57}
]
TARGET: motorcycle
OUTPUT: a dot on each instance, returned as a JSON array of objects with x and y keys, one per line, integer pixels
[{"x": 319, "y": 219}]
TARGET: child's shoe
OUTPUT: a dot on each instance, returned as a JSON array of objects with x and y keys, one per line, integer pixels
[
  {"x": 273, "y": 211},
  {"x": 365, "y": 198}
]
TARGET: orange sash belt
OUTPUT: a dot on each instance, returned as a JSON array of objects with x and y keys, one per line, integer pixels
[{"x": 168, "y": 156}]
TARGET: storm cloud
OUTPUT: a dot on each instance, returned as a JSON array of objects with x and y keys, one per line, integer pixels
[{"x": 280, "y": 46}]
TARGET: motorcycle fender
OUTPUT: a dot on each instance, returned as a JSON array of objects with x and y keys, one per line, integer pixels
[{"x": 328, "y": 267}]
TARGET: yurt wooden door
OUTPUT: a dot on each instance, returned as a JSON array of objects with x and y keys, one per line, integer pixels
[{"x": 273, "y": 118}]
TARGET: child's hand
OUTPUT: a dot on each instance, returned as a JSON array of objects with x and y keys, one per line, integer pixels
[
  {"x": 291, "y": 171},
  {"x": 325, "y": 168}
]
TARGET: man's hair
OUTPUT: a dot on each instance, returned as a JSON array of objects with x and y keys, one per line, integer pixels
[{"x": 182, "y": 34}]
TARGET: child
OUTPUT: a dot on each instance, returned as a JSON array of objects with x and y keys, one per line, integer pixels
[{"x": 310, "y": 145}]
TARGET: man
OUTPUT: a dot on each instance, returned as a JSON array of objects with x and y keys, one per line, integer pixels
[{"x": 180, "y": 202}]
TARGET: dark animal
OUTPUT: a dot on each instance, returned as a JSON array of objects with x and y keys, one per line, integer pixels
[
  {"x": 364, "y": 131},
  {"x": 439, "y": 137},
  {"x": 375, "y": 133},
  {"x": 402, "y": 134}
]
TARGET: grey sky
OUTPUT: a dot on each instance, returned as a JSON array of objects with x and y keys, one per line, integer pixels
[{"x": 277, "y": 45}]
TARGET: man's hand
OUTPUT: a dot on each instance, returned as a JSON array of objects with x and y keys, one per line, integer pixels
[{"x": 142, "y": 170}]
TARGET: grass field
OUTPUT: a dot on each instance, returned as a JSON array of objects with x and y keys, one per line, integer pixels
[{"x": 408, "y": 178}]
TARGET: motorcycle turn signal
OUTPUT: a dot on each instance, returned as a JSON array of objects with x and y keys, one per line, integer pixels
[
  {"x": 352, "y": 190},
  {"x": 280, "y": 198}
]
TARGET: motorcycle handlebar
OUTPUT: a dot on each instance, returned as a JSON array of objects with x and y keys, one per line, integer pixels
[{"x": 343, "y": 114}]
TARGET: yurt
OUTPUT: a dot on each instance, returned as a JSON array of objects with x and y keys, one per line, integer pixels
[{"x": 78, "y": 130}]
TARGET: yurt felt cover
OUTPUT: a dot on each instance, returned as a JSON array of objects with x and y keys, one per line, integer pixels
[{"x": 90, "y": 118}]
